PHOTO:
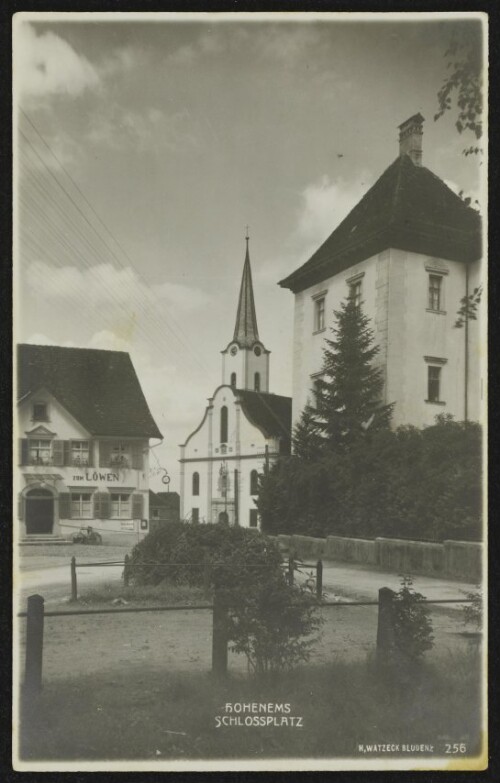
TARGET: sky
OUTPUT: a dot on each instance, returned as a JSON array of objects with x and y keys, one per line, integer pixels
[{"x": 144, "y": 147}]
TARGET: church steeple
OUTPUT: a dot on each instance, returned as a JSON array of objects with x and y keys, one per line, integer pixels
[
  {"x": 245, "y": 361},
  {"x": 245, "y": 329}
]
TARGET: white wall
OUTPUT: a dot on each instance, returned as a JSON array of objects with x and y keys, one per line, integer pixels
[{"x": 395, "y": 298}]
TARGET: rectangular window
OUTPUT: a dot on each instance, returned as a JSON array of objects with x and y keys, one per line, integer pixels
[
  {"x": 434, "y": 301},
  {"x": 253, "y": 517},
  {"x": 80, "y": 452},
  {"x": 355, "y": 293},
  {"x": 40, "y": 452},
  {"x": 433, "y": 383},
  {"x": 120, "y": 505},
  {"x": 319, "y": 314},
  {"x": 40, "y": 411},
  {"x": 195, "y": 515},
  {"x": 81, "y": 505},
  {"x": 120, "y": 455}
]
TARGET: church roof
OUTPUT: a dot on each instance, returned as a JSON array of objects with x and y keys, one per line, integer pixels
[
  {"x": 272, "y": 413},
  {"x": 100, "y": 389},
  {"x": 408, "y": 208},
  {"x": 245, "y": 329}
]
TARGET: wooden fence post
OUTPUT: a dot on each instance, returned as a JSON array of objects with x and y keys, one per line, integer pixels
[
  {"x": 319, "y": 580},
  {"x": 74, "y": 588},
  {"x": 219, "y": 636},
  {"x": 126, "y": 570},
  {"x": 34, "y": 645},
  {"x": 206, "y": 575},
  {"x": 291, "y": 566},
  {"x": 385, "y": 625}
]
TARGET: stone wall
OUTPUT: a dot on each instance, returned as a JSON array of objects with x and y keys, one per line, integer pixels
[{"x": 450, "y": 559}]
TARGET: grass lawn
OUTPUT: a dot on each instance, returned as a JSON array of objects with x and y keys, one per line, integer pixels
[
  {"x": 152, "y": 595},
  {"x": 147, "y": 713}
]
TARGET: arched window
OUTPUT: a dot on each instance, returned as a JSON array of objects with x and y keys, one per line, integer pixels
[
  {"x": 223, "y": 424},
  {"x": 196, "y": 483},
  {"x": 254, "y": 483},
  {"x": 256, "y": 381},
  {"x": 233, "y": 380}
]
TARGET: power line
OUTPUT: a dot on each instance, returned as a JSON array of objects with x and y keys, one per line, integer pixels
[{"x": 61, "y": 165}]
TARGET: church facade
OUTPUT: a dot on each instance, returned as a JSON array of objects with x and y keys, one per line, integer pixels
[
  {"x": 244, "y": 428},
  {"x": 407, "y": 253}
]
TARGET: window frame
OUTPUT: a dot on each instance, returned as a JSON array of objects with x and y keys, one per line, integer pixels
[
  {"x": 195, "y": 484},
  {"x": 79, "y": 513},
  {"x": 125, "y": 510},
  {"x": 43, "y": 405},
  {"x": 319, "y": 313},
  {"x": 32, "y": 460},
  {"x": 254, "y": 482},
  {"x": 195, "y": 516},
  {"x": 253, "y": 518},
  {"x": 256, "y": 381},
  {"x": 224, "y": 424},
  {"x": 355, "y": 293},
  {"x": 77, "y": 461},
  {"x": 435, "y": 363},
  {"x": 120, "y": 454},
  {"x": 435, "y": 293}
]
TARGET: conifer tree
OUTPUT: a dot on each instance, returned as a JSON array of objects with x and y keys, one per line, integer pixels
[
  {"x": 349, "y": 392},
  {"x": 348, "y": 395},
  {"x": 307, "y": 437}
]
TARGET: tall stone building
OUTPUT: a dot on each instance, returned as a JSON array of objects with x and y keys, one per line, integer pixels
[
  {"x": 244, "y": 428},
  {"x": 408, "y": 252}
]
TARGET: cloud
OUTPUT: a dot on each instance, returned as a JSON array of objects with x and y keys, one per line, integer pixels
[
  {"x": 105, "y": 284},
  {"x": 38, "y": 338},
  {"x": 324, "y": 204},
  {"x": 151, "y": 129},
  {"x": 45, "y": 64}
]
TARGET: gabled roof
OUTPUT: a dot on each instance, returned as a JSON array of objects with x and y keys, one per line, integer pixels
[
  {"x": 245, "y": 329},
  {"x": 272, "y": 413},
  {"x": 408, "y": 208},
  {"x": 100, "y": 389}
]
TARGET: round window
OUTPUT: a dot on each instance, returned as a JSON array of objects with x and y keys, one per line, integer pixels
[
  {"x": 234, "y": 350},
  {"x": 257, "y": 350}
]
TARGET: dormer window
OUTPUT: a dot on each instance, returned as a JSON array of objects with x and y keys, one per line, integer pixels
[{"x": 40, "y": 411}]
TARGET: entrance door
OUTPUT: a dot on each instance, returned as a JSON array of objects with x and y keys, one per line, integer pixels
[
  {"x": 224, "y": 518},
  {"x": 39, "y": 511}
]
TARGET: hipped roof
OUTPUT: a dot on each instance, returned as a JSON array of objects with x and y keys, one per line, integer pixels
[{"x": 408, "y": 208}]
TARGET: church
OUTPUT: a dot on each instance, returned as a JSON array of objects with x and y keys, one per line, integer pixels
[
  {"x": 244, "y": 428},
  {"x": 408, "y": 253}
]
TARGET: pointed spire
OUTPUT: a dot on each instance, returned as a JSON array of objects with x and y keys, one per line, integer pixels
[{"x": 245, "y": 330}]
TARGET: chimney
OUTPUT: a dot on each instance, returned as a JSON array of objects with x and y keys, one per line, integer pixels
[{"x": 410, "y": 138}]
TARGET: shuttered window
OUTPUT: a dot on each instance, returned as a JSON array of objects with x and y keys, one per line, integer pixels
[
  {"x": 58, "y": 453},
  {"x": 104, "y": 453},
  {"x": 23, "y": 451},
  {"x": 40, "y": 451},
  {"x": 102, "y": 505},
  {"x": 137, "y": 455},
  {"x": 137, "y": 506}
]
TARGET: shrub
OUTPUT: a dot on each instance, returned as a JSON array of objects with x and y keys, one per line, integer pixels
[
  {"x": 409, "y": 482},
  {"x": 412, "y": 624},
  {"x": 473, "y": 612},
  {"x": 269, "y": 620}
]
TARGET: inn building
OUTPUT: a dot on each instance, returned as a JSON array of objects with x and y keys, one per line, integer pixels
[
  {"x": 84, "y": 428},
  {"x": 407, "y": 253},
  {"x": 243, "y": 430}
]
